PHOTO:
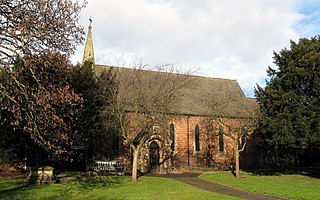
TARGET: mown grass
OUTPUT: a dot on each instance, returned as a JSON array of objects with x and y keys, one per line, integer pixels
[
  {"x": 110, "y": 187},
  {"x": 292, "y": 186}
]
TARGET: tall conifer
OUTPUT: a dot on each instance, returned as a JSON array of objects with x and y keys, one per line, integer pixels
[{"x": 290, "y": 102}]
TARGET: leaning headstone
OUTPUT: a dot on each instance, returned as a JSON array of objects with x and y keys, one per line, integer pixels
[{"x": 42, "y": 175}]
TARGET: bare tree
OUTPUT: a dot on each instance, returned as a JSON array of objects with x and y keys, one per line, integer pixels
[
  {"x": 143, "y": 102},
  {"x": 30, "y": 26},
  {"x": 233, "y": 116},
  {"x": 238, "y": 131}
]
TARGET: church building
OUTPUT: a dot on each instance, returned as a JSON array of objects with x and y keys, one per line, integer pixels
[{"x": 198, "y": 115}]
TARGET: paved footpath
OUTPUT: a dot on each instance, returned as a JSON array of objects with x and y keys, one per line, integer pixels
[{"x": 194, "y": 180}]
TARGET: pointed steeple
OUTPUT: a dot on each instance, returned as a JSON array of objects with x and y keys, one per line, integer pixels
[{"x": 88, "y": 49}]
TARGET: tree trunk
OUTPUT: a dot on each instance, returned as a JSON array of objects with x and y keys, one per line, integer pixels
[
  {"x": 237, "y": 158},
  {"x": 135, "y": 153}
]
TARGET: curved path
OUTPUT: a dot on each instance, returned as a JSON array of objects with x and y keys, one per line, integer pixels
[{"x": 194, "y": 180}]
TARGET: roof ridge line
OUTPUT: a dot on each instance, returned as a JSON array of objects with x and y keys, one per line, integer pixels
[{"x": 194, "y": 75}]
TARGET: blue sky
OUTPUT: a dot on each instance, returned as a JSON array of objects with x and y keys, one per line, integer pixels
[
  {"x": 224, "y": 39},
  {"x": 309, "y": 26}
]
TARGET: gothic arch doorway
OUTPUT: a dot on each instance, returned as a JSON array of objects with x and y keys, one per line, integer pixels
[{"x": 154, "y": 155}]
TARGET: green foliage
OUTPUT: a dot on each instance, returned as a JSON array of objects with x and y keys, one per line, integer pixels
[
  {"x": 85, "y": 84},
  {"x": 291, "y": 186},
  {"x": 98, "y": 92},
  {"x": 290, "y": 101}
]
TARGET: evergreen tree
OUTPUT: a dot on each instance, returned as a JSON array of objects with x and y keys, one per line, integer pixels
[
  {"x": 290, "y": 102},
  {"x": 98, "y": 92},
  {"x": 85, "y": 84}
]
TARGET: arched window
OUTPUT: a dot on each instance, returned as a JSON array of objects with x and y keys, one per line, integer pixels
[
  {"x": 172, "y": 136},
  {"x": 197, "y": 137},
  {"x": 221, "y": 140}
]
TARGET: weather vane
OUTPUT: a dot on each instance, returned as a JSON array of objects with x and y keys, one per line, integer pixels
[{"x": 90, "y": 20}]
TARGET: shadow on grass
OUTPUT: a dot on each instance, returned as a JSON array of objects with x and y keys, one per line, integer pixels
[
  {"x": 15, "y": 188},
  {"x": 312, "y": 171},
  {"x": 72, "y": 182}
]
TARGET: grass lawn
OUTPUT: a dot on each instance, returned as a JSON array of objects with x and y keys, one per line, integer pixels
[
  {"x": 292, "y": 186},
  {"x": 111, "y": 187}
]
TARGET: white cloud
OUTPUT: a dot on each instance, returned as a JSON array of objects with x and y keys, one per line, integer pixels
[{"x": 226, "y": 39}]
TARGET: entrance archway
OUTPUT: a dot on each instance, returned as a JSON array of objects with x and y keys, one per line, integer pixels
[{"x": 154, "y": 155}]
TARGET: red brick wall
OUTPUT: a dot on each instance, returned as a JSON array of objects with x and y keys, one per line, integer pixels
[
  {"x": 208, "y": 156},
  {"x": 185, "y": 154}
]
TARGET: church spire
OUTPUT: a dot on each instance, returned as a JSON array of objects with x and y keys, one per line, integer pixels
[{"x": 88, "y": 54}]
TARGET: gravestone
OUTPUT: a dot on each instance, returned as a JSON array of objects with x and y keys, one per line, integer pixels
[{"x": 42, "y": 175}]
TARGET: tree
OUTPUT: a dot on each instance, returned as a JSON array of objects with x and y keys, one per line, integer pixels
[
  {"x": 29, "y": 94},
  {"x": 290, "y": 102},
  {"x": 38, "y": 103},
  {"x": 85, "y": 85},
  {"x": 238, "y": 131},
  {"x": 142, "y": 103},
  {"x": 97, "y": 91},
  {"x": 220, "y": 121},
  {"x": 30, "y": 26}
]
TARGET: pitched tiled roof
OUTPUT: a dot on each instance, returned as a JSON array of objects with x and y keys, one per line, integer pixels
[{"x": 203, "y": 96}]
